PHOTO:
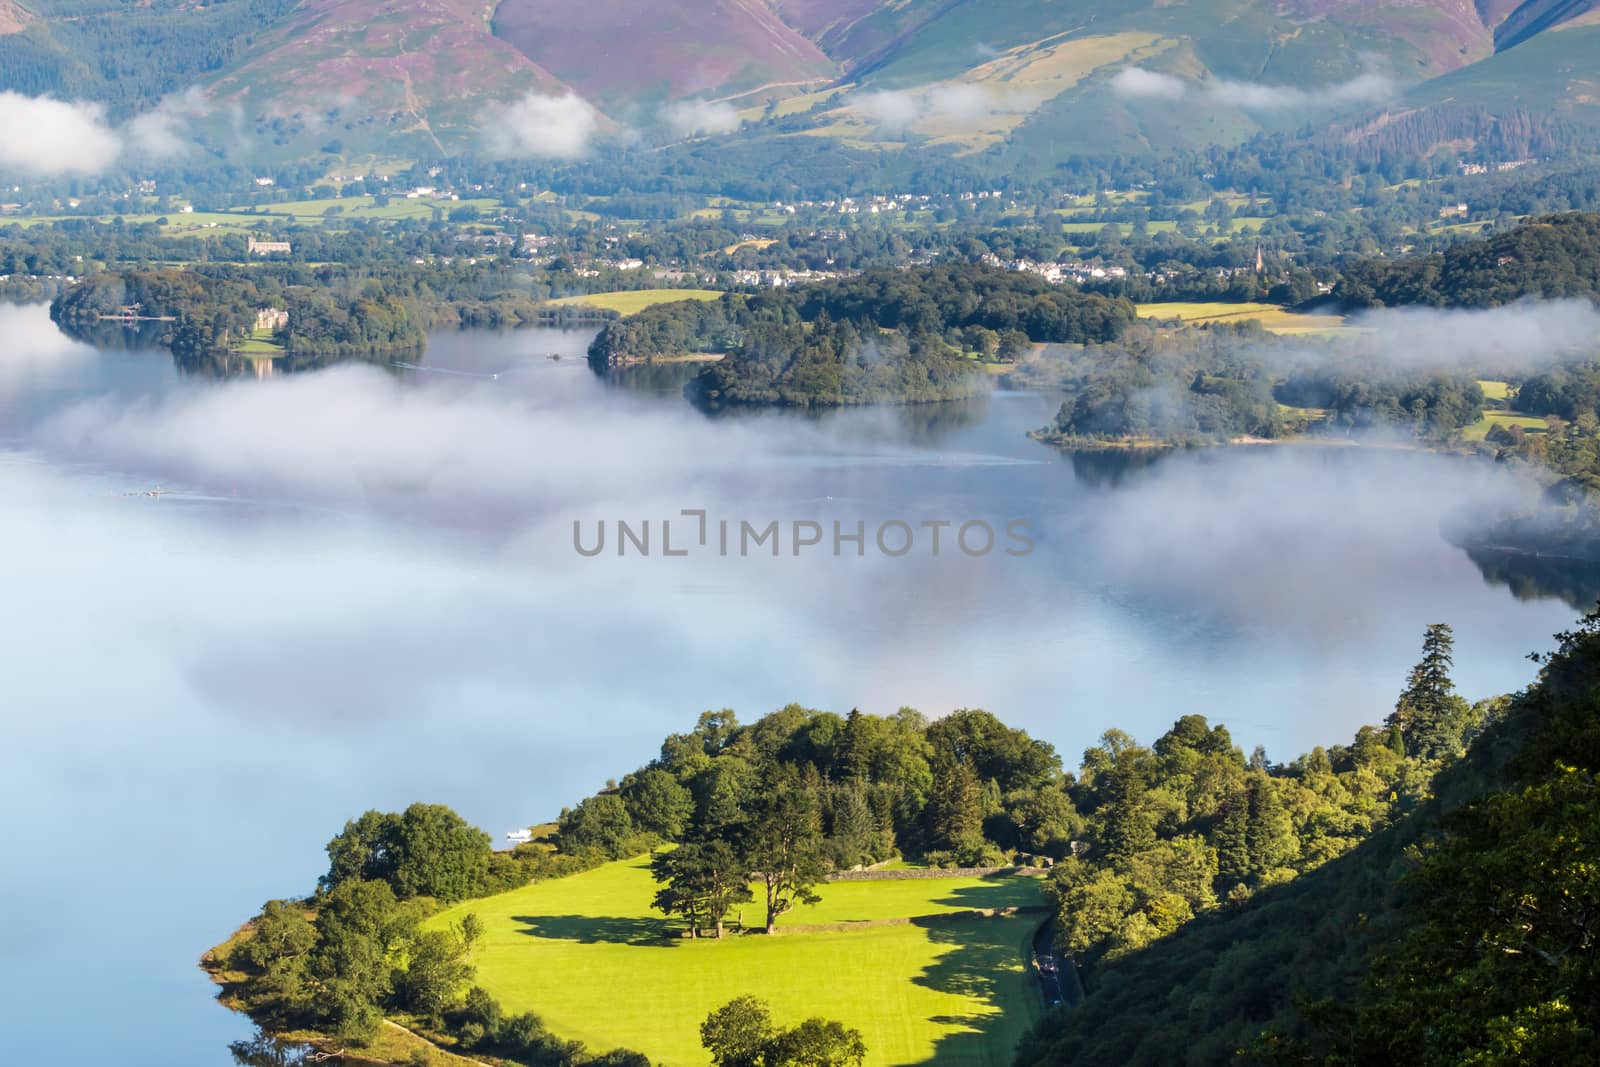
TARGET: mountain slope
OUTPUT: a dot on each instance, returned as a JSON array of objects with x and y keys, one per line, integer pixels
[
  {"x": 405, "y": 75},
  {"x": 620, "y": 53},
  {"x": 1034, "y": 81}
]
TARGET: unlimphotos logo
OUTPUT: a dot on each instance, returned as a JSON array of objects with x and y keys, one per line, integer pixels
[{"x": 739, "y": 538}]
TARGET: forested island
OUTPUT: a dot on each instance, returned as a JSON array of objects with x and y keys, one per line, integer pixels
[
  {"x": 1350, "y": 897},
  {"x": 300, "y": 311},
  {"x": 1219, "y": 382},
  {"x": 885, "y": 336}
]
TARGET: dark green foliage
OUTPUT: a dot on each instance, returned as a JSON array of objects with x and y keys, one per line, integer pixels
[
  {"x": 1365, "y": 393},
  {"x": 1553, "y": 257},
  {"x": 736, "y": 1033},
  {"x": 601, "y": 824},
  {"x": 1460, "y": 932},
  {"x": 741, "y": 1034},
  {"x": 215, "y": 310},
  {"x": 883, "y": 336},
  {"x": 436, "y": 970},
  {"x": 782, "y": 842},
  {"x": 657, "y": 803},
  {"x": 129, "y": 55},
  {"x": 1433, "y": 720},
  {"x": 701, "y": 882},
  {"x": 425, "y": 851}
]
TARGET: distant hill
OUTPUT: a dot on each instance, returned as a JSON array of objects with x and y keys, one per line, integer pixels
[
  {"x": 622, "y": 53},
  {"x": 1032, "y": 80}
]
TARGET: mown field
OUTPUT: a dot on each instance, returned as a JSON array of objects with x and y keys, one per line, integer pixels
[
  {"x": 635, "y": 300},
  {"x": 591, "y": 957},
  {"x": 1274, "y": 318}
]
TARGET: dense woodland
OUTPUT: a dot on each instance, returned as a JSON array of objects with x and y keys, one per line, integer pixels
[
  {"x": 1552, "y": 258},
  {"x": 898, "y": 336},
  {"x": 1461, "y": 931}
]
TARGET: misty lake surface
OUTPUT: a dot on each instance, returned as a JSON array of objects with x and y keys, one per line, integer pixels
[{"x": 357, "y": 587}]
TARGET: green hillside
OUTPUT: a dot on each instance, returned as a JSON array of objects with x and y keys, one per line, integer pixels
[{"x": 1461, "y": 934}]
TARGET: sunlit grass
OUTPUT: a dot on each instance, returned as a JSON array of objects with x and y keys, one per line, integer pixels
[
  {"x": 1276, "y": 319},
  {"x": 1480, "y": 429},
  {"x": 599, "y": 965},
  {"x": 629, "y": 302}
]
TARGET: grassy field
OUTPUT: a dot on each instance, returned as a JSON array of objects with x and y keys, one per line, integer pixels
[
  {"x": 366, "y": 207},
  {"x": 1274, "y": 318},
  {"x": 1480, "y": 429},
  {"x": 260, "y": 344},
  {"x": 590, "y": 956},
  {"x": 1495, "y": 390},
  {"x": 630, "y": 301}
]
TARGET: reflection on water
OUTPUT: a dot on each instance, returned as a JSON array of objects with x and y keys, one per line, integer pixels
[
  {"x": 1530, "y": 577},
  {"x": 1111, "y": 468},
  {"x": 264, "y": 1050}
]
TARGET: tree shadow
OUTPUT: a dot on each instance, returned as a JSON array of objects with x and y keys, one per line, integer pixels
[
  {"x": 599, "y": 929},
  {"x": 985, "y": 963},
  {"x": 997, "y": 892}
]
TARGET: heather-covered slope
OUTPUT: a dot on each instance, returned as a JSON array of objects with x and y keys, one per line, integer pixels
[
  {"x": 415, "y": 74},
  {"x": 1040, "y": 79},
  {"x": 621, "y": 52}
]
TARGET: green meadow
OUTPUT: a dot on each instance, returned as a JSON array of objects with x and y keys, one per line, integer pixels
[
  {"x": 590, "y": 956},
  {"x": 1276, "y": 319},
  {"x": 629, "y": 302}
]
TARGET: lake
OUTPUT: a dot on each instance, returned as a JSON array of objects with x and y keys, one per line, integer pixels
[{"x": 240, "y": 611}]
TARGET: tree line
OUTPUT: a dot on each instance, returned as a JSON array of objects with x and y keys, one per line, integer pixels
[
  {"x": 1554, "y": 257},
  {"x": 1461, "y": 930}
]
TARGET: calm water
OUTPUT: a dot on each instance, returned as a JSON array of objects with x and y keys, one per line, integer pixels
[{"x": 358, "y": 588}]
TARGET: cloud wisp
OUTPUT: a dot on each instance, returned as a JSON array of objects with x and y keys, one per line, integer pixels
[
  {"x": 690, "y": 117},
  {"x": 1137, "y": 83},
  {"x": 895, "y": 110}
]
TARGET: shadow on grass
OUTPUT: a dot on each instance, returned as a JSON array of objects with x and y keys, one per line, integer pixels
[
  {"x": 982, "y": 964},
  {"x": 997, "y": 891},
  {"x": 599, "y": 929}
]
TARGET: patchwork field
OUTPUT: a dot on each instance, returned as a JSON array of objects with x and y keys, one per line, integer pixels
[
  {"x": 1276, "y": 319},
  {"x": 630, "y": 301},
  {"x": 591, "y": 957}
]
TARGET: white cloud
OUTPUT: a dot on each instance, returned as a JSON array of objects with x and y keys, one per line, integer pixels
[
  {"x": 557, "y": 127},
  {"x": 701, "y": 116},
  {"x": 1136, "y": 83},
  {"x": 1140, "y": 84},
  {"x": 47, "y": 136},
  {"x": 895, "y": 109}
]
